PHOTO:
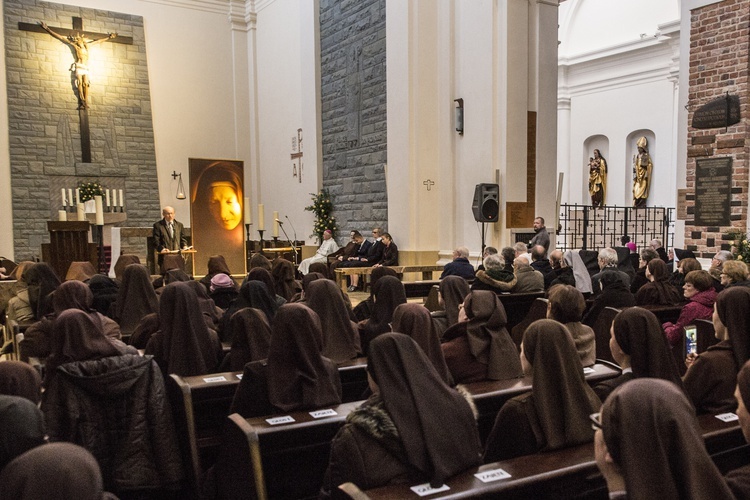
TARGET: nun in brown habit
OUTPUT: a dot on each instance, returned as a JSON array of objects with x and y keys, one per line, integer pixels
[
  {"x": 388, "y": 293},
  {"x": 80, "y": 271},
  {"x": 211, "y": 313},
  {"x": 739, "y": 479},
  {"x": 479, "y": 346},
  {"x": 264, "y": 275},
  {"x": 399, "y": 434},
  {"x": 216, "y": 265},
  {"x": 295, "y": 376},
  {"x": 712, "y": 376},
  {"x": 184, "y": 345},
  {"x": 415, "y": 321},
  {"x": 363, "y": 310},
  {"x": 253, "y": 294},
  {"x": 453, "y": 291},
  {"x": 124, "y": 261},
  {"x": 56, "y": 470},
  {"x": 283, "y": 277},
  {"x": 20, "y": 379},
  {"x": 639, "y": 346},
  {"x": 658, "y": 291},
  {"x": 650, "y": 445},
  {"x": 258, "y": 260},
  {"x": 251, "y": 337},
  {"x": 306, "y": 280},
  {"x": 41, "y": 281},
  {"x": 340, "y": 335},
  {"x": 555, "y": 414},
  {"x": 135, "y": 298},
  {"x": 23, "y": 429}
]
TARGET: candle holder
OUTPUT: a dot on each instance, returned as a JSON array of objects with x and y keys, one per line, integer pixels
[
  {"x": 72, "y": 208},
  {"x": 100, "y": 229},
  {"x": 260, "y": 232},
  {"x": 247, "y": 231},
  {"x": 275, "y": 241},
  {"x": 122, "y": 209}
]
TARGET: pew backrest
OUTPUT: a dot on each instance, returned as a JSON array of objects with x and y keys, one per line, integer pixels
[
  {"x": 538, "y": 310},
  {"x": 601, "y": 328}
]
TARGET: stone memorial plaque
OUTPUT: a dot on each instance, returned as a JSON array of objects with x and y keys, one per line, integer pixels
[
  {"x": 719, "y": 113},
  {"x": 713, "y": 191}
]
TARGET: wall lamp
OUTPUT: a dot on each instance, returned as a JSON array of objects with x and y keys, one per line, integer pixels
[
  {"x": 459, "y": 115},
  {"x": 180, "y": 187}
]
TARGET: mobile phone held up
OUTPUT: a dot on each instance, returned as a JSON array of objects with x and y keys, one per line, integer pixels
[{"x": 691, "y": 339}]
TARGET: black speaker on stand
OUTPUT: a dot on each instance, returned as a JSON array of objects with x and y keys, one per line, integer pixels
[{"x": 486, "y": 206}]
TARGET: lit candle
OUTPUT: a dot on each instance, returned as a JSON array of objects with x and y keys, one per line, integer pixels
[
  {"x": 81, "y": 211},
  {"x": 248, "y": 212},
  {"x": 63, "y": 196},
  {"x": 62, "y": 215},
  {"x": 99, "y": 211},
  {"x": 107, "y": 193},
  {"x": 114, "y": 197},
  {"x": 121, "y": 198},
  {"x": 70, "y": 197},
  {"x": 275, "y": 224},
  {"x": 78, "y": 195},
  {"x": 261, "y": 217}
]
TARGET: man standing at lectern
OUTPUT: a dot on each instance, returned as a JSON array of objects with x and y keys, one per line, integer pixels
[{"x": 168, "y": 234}]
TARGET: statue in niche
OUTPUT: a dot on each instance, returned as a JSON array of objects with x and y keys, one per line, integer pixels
[
  {"x": 642, "y": 167},
  {"x": 597, "y": 179},
  {"x": 80, "y": 67}
]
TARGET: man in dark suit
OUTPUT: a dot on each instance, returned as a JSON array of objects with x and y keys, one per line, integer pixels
[
  {"x": 373, "y": 256},
  {"x": 168, "y": 234}
]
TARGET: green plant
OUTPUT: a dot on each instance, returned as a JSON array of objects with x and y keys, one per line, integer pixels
[
  {"x": 322, "y": 208},
  {"x": 741, "y": 246},
  {"x": 90, "y": 189}
]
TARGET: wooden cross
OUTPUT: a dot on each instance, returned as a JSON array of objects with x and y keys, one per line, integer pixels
[
  {"x": 79, "y": 69},
  {"x": 429, "y": 184}
]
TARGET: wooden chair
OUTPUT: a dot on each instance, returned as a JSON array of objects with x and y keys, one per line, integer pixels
[
  {"x": 601, "y": 329},
  {"x": 538, "y": 310}
]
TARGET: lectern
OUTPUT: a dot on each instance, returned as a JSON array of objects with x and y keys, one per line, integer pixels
[{"x": 69, "y": 242}]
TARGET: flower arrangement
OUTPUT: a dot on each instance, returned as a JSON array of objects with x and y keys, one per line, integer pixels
[
  {"x": 90, "y": 189},
  {"x": 322, "y": 208},
  {"x": 741, "y": 246}
]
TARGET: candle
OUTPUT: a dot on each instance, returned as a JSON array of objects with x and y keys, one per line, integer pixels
[
  {"x": 62, "y": 215},
  {"x": 121, "y": 198},
  {"x": 107, "y": 193},
  {"x": 275, "y": 224},
  {"x": 70, "y": 197},
  {"x": 261, "y": 217},
  {"x": 63, "y": 196},
  {"x": 99, "y": 211},
  {"x": 114, "y": 197},
  {"x": 78, "y": 195},
  {"x": 81, "y": 211},
  {"x": 248, "y": 212}
]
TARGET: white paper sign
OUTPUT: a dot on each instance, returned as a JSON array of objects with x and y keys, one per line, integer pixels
[
  {"x": 239, "y": 376},
  {"x": 323, "y": 413},
  {"x": 727, "y": 417},
  {"x": 208, "y": 380},
  {"x": 280, "y": 420},
  {"x": 425, "y": 489},
  {"x": 487, "y": 476},
  {"x": 588, "y": 370}
]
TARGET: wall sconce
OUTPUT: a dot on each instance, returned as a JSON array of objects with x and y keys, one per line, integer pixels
[
  {"x": 459, "y": 116},
  {"x": 180, "y": 187}
]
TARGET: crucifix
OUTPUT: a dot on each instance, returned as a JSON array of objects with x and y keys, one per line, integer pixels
[
  {"x": 297, "y": 154},
  {"x": 429, "y": 184},
  {"x": 79, "y": 42}
]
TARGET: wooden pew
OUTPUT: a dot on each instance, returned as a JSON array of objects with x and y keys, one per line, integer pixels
[
  {"x": 343, "y": 272},
  {"x": 260, "y": 460},
  {"x": 666, "y": 313},
  {"x": 517, "y": 305},
  {"x": 490, "y": 395},
  {"x": 705, "y": 334},
  {"x": 601, "y": 329},
  {"x": 538, "y": 310},
  {"x": 568, "y": 473},
  {"x": 353, "y": 376}
]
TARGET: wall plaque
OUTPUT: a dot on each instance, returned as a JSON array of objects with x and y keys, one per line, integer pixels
[
  {"x": 719, "y": 113},
  {"x": 713, "y": 191}
]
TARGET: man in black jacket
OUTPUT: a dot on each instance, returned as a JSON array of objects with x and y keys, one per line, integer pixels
[{"x": 374, "y": 255}]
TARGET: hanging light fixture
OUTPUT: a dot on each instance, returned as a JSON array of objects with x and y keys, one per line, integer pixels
[{"x": 180, "y": 187}]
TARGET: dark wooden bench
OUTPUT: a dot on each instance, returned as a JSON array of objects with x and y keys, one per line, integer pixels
[
  {"x": 260, "y": 459},
  {"x": 353, "y": 376},
  {"x": 426, "y": 271},
  {"x": 420, "y": 288},
  {"x": 517, "y": 305},
  {"x": 490, "y": 395},
  {"x": 538, "y": 310},
  {"x": 705, "y": 334},
  {"x": 665, "y": 313},
  {"x": 601, "y": 329},
  {"x": 568, "y": 473}
]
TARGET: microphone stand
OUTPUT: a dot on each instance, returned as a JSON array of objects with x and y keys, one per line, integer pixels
[
  {"x": 294, "y": 231},
  {"x": 294, "y": 250}
]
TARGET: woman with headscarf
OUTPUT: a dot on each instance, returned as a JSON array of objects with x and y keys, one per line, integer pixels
[
  {"x": 684, "y": 266},
  {"x": 56, "y": 470},
  {"x": 658, "y": 291},
  {"x": 264, "y": 275},
  {"x": 566, "y": 305},
  {"x": 340, "y": 335},
  {"x": 414, "y": 428},
  {"x": 251, "y": 337},
  {"x": 363, "y": 310},
  {"x": 638, "y": 345},
  {"x": 295, "y": 376},
  {"x": 20, "y": 379},
  {"x": 555, "y": 414},
  {"x": 415, "y": 321},
  {"x": 184, "y": 345},
  {"x": 452, "y": 292},
  {"x": 253, "y": 294},
  {"x": 739, "y": 479},
  {"x": 701, "y": 296},
  {"x": 649, "y": 445},
  {"x": 19, "y": 306},
  {"x": 216, "y": 265},
  {"x": 283, "y": 278},
  {"x": 223, "y": 291},
  {"x": 388, "y": 293},
  {"x": 614, "y": 294},
  {"x": 711, "y": 376},
  {"x": 479, "y": 346},
  {"x": 23, "y": 428},
  {"x": 104, "y": 290},
  {"x": 135, "y": 298}
]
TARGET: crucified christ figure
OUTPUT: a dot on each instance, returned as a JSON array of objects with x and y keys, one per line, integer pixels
[{"x": 79, "y": 68}]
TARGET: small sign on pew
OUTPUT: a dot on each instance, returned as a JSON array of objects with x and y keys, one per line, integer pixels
[
  {"x": 588, "y": 370},
  {"x": 239, "y": 376},
  {"x": 487, "y": 476},
  {"x": 727, "y": 417},
  {"x": 323, "y": 413},
  {"x": 425, "y": 489},
  {"x": 280, "y": 420},
  {"x": 220, "y": 378}
]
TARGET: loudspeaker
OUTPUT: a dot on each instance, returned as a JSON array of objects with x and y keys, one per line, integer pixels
[{"x": 486, "y": 203}]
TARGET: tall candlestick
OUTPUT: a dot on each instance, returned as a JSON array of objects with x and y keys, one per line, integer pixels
[
  {"x": 114, "y": 198},
  {"x": 106, "y": 191},
  {"x": 63, "y": 197},
  {"x": 261, "y": 218},
  {"x": 78, "y": 195},
  {"x": 70, "y": 197},
  {"x": 248, "y": 212},
  {"x": 121, "y": 198},
  {"x": 99, "y": 211},
  {"x": 275, "y": 224},
  {"x": 81, "y": 211},
  {"x": 62, "y": 215}
]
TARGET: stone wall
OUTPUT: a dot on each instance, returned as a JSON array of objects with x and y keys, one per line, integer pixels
[
  {"x": 353, "y": 108},
  {"x": 44, "y": 131},
  {"x": 719, "y": 63}
]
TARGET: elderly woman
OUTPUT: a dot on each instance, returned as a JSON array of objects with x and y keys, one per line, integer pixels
[
  {"x": 734, "y": 273},
  {"x": 497, "y": 276},
  {"x": 699, "y": 292},
  {"x": 566, "y": 305}
]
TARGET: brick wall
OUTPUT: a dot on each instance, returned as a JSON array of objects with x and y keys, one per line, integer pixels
[
  {"x": 44, "y": 133},
  {"x": 353, "y": 107},
  {"x": 719, "y": 37}
]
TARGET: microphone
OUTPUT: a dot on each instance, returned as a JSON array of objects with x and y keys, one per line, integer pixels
[{"x": 278, "y": 221}]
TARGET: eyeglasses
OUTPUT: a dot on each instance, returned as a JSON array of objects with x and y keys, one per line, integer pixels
[{"x": 596, "y": 421}]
